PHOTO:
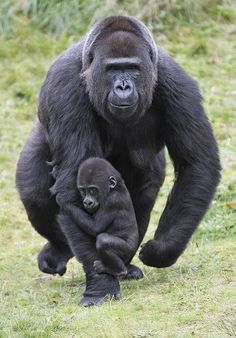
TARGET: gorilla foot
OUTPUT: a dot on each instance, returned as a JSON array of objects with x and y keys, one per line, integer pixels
[
  {"x": 133, "y": 272},
  {"x": 90, "y": 301},
  {"x": 159, "y": 254},
  {"x": 100, "y": 288},
  {"x": 52, "y": 260}
]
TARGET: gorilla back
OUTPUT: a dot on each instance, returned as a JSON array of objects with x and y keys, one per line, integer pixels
[{"x": 117, "y": 95}]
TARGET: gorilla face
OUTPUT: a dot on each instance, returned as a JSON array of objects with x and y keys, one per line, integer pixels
[
  {"x": 123, "y": 97},
  {"x": 121, "y": 77}
]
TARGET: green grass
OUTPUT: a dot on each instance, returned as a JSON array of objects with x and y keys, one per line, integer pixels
[{"x": 194, "y": 298}]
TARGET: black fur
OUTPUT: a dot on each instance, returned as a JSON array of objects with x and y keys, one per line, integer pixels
[
  {"x": 112, "y": 225},
  {"x": 76, "y": 121}
]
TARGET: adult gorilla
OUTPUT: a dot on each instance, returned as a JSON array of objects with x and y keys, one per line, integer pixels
[{"x": 116, "y": 95}]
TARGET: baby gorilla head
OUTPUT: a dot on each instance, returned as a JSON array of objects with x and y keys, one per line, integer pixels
[{"x": 96, "y": 178}]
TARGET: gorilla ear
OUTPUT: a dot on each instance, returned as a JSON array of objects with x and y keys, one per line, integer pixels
[{"x": 112, "y": 182}]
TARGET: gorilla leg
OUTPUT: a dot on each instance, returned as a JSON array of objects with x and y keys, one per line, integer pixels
[
  {"x": 33, "y": 181},
  {"x": 99, "y": 287}
]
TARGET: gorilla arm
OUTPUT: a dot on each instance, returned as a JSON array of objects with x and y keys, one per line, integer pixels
[
  {"x": 193, "y": 149},
  {"x": 66, "y": 114}
]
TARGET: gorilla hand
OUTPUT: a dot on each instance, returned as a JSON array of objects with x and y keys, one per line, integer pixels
[
  {"x": 66, "y": 197},
  {"x": 52, "y": 260},
  {"x": 159, "y": 254}
]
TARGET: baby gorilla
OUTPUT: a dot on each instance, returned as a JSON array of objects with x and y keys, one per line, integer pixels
[{"x": 108, "y": 215}]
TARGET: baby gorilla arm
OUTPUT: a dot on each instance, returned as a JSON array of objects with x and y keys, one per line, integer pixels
[
  {"x": 91, "y": 224},
  {"x": 82, "y": 219}
]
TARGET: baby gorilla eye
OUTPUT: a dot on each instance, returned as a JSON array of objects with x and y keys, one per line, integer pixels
[{"x": 93, "y": 191}]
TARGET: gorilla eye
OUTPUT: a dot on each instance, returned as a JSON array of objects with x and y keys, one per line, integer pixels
[
  {"x": 151, "y": 54},
  {"x": 92, "y": 191},
  {"x": 82, "y": 192},
  {"x": 91, "y": 57},
  {"x": 134, "y": 67}
]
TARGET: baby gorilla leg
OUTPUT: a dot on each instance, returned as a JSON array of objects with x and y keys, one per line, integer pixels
[{"x": 110, "y": 250}]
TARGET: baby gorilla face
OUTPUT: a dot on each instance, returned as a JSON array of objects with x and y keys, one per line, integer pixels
[
  {"x": 95, "y": 180},
  {"x": 90, "y": 196}
]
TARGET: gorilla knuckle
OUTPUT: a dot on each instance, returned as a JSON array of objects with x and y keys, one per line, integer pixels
[{"x": 160, "y": 254}]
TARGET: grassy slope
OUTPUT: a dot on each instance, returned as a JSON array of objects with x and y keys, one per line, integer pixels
[{"x": 194, "y": 297}]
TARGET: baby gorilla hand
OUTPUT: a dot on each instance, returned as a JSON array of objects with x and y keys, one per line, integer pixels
[{"x": 99, "y": 267}]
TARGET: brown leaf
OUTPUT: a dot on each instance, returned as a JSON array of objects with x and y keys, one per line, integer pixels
[{"x": 230, "y": 205}]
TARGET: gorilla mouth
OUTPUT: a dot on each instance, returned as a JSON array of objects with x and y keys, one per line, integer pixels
[
  {"x": 123, "y": 112},
  {"x": 123, "y": 106},
  {"x": 92, "y": 210}
]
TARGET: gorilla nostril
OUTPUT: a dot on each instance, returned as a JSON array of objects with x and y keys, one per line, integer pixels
[
  {"x": 127, "y": 87},
  {"x": 119, "y": 88},
  {"x": 123, "y": 87}
]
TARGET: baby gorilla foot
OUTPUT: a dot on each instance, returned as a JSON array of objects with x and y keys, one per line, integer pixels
[
  {"x": 52, "y": 260},
  {"x": 99, "y": 267}
]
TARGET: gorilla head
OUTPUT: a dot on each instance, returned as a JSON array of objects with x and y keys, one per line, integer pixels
[{"x": 120, "y": 69}]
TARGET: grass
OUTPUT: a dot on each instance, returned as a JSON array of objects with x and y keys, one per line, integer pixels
[{"x": 195, "y": 297}]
